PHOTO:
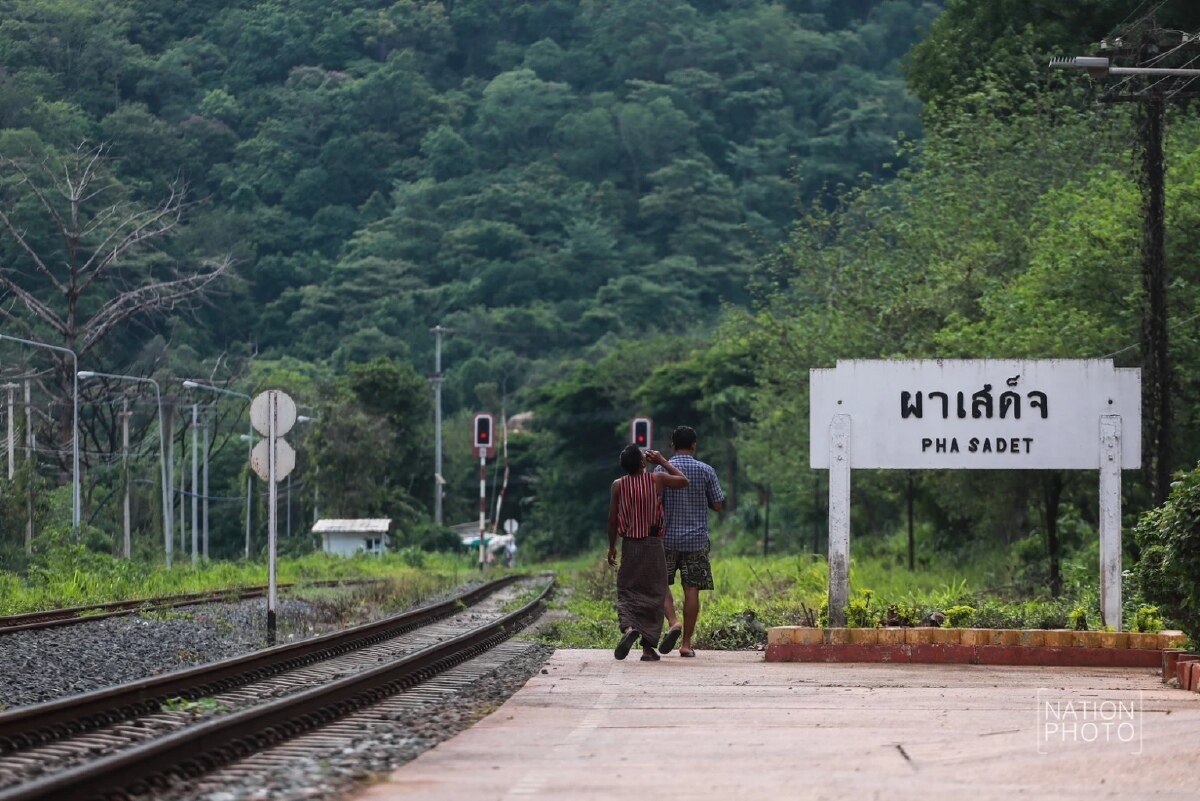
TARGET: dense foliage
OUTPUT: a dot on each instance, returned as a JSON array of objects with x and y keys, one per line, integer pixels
[
  {"x": 540, "y": 176},
  {"x": 620, "y": 207},
  {"x": 1168, "y": 572}
]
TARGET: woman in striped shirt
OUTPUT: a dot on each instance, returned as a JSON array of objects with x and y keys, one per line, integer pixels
[{"x": 635, "y": 514}]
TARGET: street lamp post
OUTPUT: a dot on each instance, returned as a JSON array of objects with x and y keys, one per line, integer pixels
[
  {"x": 75, "y": 496},
  {"x": 249, "y": 479},
  {"x": 167, "y": 492},
  {"x": 316, "y": 471}
]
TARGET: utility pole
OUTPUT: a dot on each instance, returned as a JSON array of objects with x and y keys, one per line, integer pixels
[
  {"x": 31, "y": 468},
  {"x": 126, "y": 544},
  {"x": 195, "y": 484},
  {"x": 1157, "y": 68},
  {"x": 207, "y": 440},
  {"x": 168, "y": 433},
  {"x": 12, "y": 466},
  {"x": 437, "y": 379}
]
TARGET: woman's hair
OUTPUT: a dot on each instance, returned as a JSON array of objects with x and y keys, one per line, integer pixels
[{"x": 632, "y": 459}]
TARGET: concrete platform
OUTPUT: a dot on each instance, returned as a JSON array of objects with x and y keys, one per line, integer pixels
[{"x": 728, "y": 725}]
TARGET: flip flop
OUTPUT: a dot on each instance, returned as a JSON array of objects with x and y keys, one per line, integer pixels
[
  {"x": 650, "y": 656},
  {"x": 622, "y": 649},
  {"x": 669, "y": 639},
  {"x": 687, "y": 653}
]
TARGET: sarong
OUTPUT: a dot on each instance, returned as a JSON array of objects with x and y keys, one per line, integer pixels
[{"x": 642, "y": 588}]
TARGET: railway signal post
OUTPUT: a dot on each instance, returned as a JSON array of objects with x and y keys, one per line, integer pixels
[{"x": 482, "y": 444}]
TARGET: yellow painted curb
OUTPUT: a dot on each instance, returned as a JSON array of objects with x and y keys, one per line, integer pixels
[
  {"x": 1143, "y": 640},
  {"x": 837, "y": 636},
  {"x": 864, "y": 636},
  {"x": 1171, "y": 639},
  {"x": 1006, "y": 637},
  {"x": 1060, "y": 638},
  {"x": 924, "y": 635},
  {"x": 945, "y": 636},
  {"x": 975, "y": 636},
  {"x": 807, "y": 635},
  {"x": 780, "y": 635}
]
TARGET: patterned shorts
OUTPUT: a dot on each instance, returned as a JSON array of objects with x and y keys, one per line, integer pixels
[{"x": 693, "y": 566}]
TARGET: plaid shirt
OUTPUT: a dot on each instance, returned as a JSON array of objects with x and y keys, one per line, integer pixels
[{"x": 686, "y": 510}]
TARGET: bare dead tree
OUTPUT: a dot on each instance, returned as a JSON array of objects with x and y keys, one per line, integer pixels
[{"x": 86, "y": 254}]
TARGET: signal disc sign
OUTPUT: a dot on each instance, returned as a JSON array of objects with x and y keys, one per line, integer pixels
[
  {"x": 260, "y": 413},
  {"x": 285, "y": 460}
]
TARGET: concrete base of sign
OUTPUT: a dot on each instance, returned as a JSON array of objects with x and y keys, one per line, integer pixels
[{"x": 1057, "y": 647}]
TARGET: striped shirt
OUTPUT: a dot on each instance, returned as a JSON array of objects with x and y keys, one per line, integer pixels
[
  {"x": 639, "y": 507},
  {"x": 686, "y": 510}
]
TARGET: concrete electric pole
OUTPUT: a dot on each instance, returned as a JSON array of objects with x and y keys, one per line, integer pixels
[{"x": 1153, "y": 71}]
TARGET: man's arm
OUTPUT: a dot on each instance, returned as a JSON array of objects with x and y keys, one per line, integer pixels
[
  {"x": 612, "y": 523},
  {"x": 713, "y": 492}
]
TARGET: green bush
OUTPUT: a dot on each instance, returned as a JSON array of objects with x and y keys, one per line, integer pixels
[
  {"x": 1078, "y": 619},
  {"x": 1168, "y": 572},
  {"x": 860, "y": 614},
  {"x": 1146, "y": 619},
  {"x": 958, "y": 616}
]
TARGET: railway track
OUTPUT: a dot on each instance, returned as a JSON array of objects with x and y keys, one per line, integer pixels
[
  {"x": 69, "y": 616},
  {"x": 126, "y": 739}
]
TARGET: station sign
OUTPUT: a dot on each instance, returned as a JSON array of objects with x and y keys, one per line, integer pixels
[{"x": 982, "y": 414}]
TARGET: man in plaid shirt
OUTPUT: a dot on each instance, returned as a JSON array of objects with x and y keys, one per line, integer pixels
[{"x": 685, "y": 537}]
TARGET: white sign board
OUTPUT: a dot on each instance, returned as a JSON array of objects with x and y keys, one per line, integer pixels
[
  {"x": 511, "y": 526},
  {"x": 285, "y": 460},
  {"x": 260, "y": 413},
  {"x": 975, "y": 414}
]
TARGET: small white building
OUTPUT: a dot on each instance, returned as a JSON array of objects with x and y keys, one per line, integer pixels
[{"x": 348, "y": 537}]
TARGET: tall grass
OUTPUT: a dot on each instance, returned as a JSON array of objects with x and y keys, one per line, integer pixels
[
  {"x": 74, "y": 576},
  {"x": 755, "y": 593}
]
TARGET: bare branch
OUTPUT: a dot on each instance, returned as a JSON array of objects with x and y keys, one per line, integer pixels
[
  {"x": 19, "y": 238},
  {"x": 159, "y": 296},
  {"x": 33, "y": 187},
  {"x": 8, "y": 316},
  {"x": 133, "y": 230},
  {"x": 44, "y": 312}
]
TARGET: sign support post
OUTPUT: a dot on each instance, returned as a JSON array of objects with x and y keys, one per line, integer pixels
[
  {"x": 272, "y": 498},
  {"x": 1110, "y": 520},
  {"x": 272, "y": 413},
  {"x": 839, "y": 519}
]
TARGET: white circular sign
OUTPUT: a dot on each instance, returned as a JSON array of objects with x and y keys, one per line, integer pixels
[
  {"x": 285, "y": 460},
  {"x": 511, "y": 526},
  {"x": 285, "y": 413}
]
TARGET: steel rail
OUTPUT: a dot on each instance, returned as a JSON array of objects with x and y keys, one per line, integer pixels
[
  {"x": 68, "y": 616},
  {"x": 54, "y": 720},
  {"x": 224, "y": 739}
]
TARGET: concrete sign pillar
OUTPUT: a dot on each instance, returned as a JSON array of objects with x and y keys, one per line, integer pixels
[
  {"x": 1110, "y": 520},
  {"x": 839, "y": 519}
]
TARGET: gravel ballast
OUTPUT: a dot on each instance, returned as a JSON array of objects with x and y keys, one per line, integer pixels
[
  {"x": 43, "y": 665},
  {"x": 37, "y": 666}
]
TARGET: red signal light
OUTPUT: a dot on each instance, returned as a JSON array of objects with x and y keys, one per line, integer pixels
[
  {"x": 641, "y": 434},
  {"x": 483, "y": 430}
]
